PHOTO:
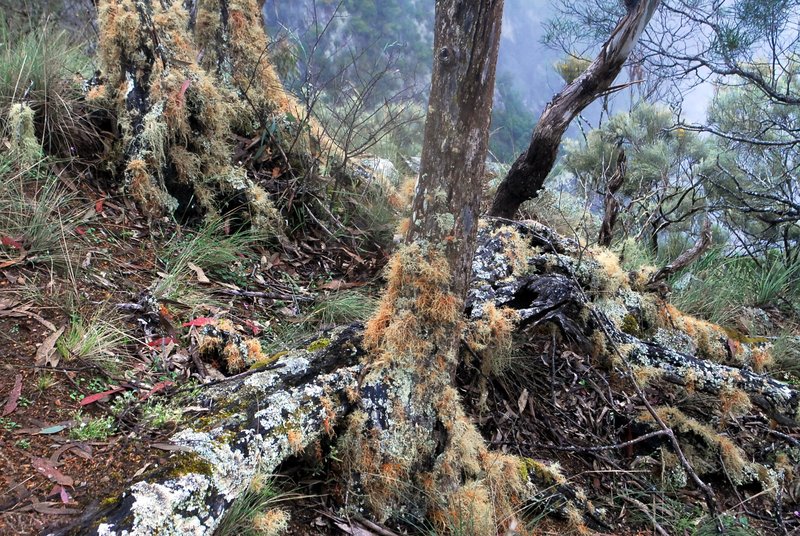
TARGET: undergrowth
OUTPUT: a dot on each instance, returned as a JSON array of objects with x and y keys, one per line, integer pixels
[
  {"x": 208, "y": 248},
  {"x": 40, "y": 65},
  {"x": 255, "y": 512},
  {"x": 35, "y": 214}
]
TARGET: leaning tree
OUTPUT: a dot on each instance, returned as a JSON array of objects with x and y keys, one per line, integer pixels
[{"x": 529, "y": 171}]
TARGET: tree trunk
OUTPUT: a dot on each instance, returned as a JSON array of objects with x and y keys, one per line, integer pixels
[
  {"x": 183, "y": 77},
  {"x": 610, "y": 204},
  {"x": 528, "y": 173},
  {"x": 410, "y": 450}
]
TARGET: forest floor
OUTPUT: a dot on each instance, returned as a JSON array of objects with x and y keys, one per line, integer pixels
[
  {"x": 99, "y": 364},
  {"x": 86, "y": 388}
]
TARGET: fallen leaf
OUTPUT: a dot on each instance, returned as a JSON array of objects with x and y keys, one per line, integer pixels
[
  {"x": 49, "y": 470},
  {"x": 161, "y": 341},
  {"x": 198, "y": 322},
  {"x": 85, "y": 401},
  {"x": 13, "y": 398},
  {"x": 52, "y": 429},
  {"x": 253, "y": 327},
  {"x": 160, "y": 386},
  {"x": 45, "y": 354},
  {"x": 10, "y": 242},
  {"x": 47, "y": 508},
  {"x": 98, "y": 206},
  {"x": 201, "y": 275},
  {"x": 22, "y": 255},
  {"x": 523, "y": 401}
]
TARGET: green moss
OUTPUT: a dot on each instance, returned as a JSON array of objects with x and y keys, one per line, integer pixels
[
  {"x": 108, "y": 502},
  {"x": 631, "y": 326},
  {"x": 319, "y": 344},
  {"x": 263, "y": 363},
  {"x": 744, "y": 339},
  {"x": 190, "y": 463}
]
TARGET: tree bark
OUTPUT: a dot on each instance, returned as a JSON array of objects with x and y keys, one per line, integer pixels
[
  {"x": 183, "y": 76},
  {"x": 410, "y": 450},
  {"x": 528, "y": 173},
  {"x": 610, "y": 204}
]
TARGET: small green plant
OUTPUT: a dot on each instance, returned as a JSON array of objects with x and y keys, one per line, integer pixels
[
  {"x": 207, "y": 248},
  {"x": 246, "y": 516},
  {"x": 342, "y": 307},
  {"x": 35, "y": 213},
  {"x": 96, "y": 340},
  {"x": 8, "y": 425},
  {"x": 40, "y": 63},
  {"x": 94, "y": 429},
  {"x": 159, "y": 414},
  {"x": 24, "y": 444},
  {"x": 786, "y": 353}
]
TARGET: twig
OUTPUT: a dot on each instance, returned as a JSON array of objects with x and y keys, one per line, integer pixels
[
  {"x": 644, "y": 510},
  {"x": 639, "y": 439},
  {"x": 267, "y": 295},
  {"x": 708, "y": 493}
]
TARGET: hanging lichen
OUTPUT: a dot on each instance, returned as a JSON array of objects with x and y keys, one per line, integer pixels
[
  {"x": 176, "y": 118},
  {"x": 20, "y": 130}
]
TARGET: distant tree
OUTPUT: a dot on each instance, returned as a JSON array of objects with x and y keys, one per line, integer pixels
[
  {"x": 511, "y": 120},
  {"x": 662, "y": 189},
  {"x": 755, "y": 178}
]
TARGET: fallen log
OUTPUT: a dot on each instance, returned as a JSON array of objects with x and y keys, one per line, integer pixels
[
  {"x": 253, "y": 423},
  {"x": 259, "y": 419}
]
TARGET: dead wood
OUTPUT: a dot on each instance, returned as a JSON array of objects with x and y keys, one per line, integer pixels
[{"x": 258, "y": 420}]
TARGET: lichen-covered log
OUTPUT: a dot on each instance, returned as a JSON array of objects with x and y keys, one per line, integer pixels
[
  {"x": 259, "y": 419},
  {"x": 252, "y": 423},
  {"x": 593, "y": 302}
]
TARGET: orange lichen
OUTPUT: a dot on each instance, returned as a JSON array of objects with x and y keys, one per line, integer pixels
[
  {"x": 734, "y": 402},
  {"x": 234, "y": 361},
  {"x": 732, "y": 457},
  {"x": 273, "y": 522},
  {"x": 295, "y": 438},
  {"x": 611, "y": 275}
]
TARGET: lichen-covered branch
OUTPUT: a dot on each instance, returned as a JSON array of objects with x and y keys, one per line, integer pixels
[
  {"x": 588, "y": 296},
  {"x": 252, "y": 424}
]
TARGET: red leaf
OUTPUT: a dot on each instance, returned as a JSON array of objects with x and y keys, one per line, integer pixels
[
  {"x": 10, "y": 242},
  {"x": 99, "y": 396},
  {"x": 197, "y": 322},
  {"x": 160, "y": 386},
  {"x": 98, "y": 206},
  {"x": 13, "y": 398},
  {"x": 162, "y": 341},
  {"x": 49, "y": 470},
  {"x": 255, "y": 329},
  {"x": 80, "y": 230},
  {"x": 61, "y": 492},
  {"x": 182, "y": 92}
]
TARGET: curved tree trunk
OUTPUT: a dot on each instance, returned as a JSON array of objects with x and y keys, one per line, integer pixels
[{"x": 528, "y": 173}]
